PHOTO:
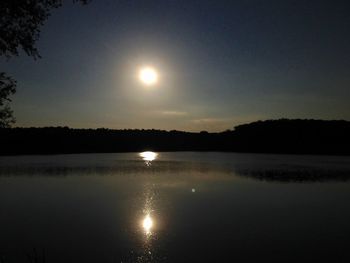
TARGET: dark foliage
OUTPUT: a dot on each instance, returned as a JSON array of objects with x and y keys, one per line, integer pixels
[
  {"x": 20, "y": 24},
  {"x": 66, "y": 140},
  {"x": 7, "y": 88},
  {"x": 294, "y": 136},
  {"x": 275, "y": 136}
]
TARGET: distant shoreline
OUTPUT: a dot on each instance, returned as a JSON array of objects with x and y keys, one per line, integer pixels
[{"x": 281, "y": 136}]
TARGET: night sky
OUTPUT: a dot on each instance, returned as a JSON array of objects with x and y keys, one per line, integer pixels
[{"x": 220, "y": 64}]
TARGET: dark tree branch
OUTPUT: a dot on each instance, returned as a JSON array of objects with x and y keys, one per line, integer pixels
[{"x": 20, "y": 25}]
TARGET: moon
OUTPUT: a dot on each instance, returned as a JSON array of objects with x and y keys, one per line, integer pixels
[{"x": 148, "y": 76}]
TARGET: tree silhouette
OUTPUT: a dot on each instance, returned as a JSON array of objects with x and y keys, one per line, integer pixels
[
  {"x": 20, "y": 24},
  {"x": 7, "y": 88}
]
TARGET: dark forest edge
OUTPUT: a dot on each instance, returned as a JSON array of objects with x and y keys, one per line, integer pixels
[{"x": 271, "y": 136}]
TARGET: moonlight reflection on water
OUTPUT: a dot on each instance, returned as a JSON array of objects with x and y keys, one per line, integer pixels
[
  {"x": 147, "y": 224},
  {"x": 148, "y": 221},
  {"x": 148, "y": 157},
  {"x": 186, "y": 207}
]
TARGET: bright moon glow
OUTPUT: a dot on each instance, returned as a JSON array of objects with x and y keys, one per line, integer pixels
[
  {"x": 148, "y": 156},
  {"x": 148, "y": 76},
  {"x": 147, "y": 224}
]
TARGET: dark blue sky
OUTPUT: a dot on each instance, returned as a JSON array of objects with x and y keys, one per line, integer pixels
[{"x": 220, "y": 63}]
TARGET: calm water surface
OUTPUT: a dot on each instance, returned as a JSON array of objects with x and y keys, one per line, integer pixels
[{"x": 174, "y": 207}]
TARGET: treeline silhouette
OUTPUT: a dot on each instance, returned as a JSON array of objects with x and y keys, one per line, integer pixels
[{"x": 272, "y": 136}]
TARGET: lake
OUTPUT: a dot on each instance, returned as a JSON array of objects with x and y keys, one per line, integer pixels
[{"x": 174, "y": 207}]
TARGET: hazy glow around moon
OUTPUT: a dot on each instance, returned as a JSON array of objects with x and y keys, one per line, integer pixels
[{"x": 148, "y": 76}]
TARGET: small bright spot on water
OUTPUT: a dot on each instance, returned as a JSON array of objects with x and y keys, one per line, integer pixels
[{"x": 193, "y": 190}]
